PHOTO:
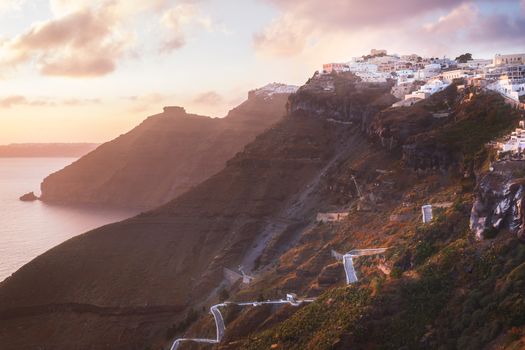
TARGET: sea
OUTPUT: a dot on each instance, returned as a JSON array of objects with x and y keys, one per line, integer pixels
[{"x": 28, "y": 229}]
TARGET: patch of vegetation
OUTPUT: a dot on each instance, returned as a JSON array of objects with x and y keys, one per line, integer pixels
[
  {"x": 464, "y": 58},
  {"x": 423, "y": 251},
  {"x": 487, "y": 117},
  {"x": 318, "y": 325}
]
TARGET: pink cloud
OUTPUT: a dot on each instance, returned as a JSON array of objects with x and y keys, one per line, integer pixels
[
  {"x": 79, "y": 44},
  {"x": 458, "y": 18},
  {"x": 18, "y": 100},
  {"x": 350, "y": 14},
  {"x": 402, "y": 24},
  {"x": 10, "y": 101},
  {"x": 286, "y": 36},
  {"x": 79, "y": 67},
  {"x": 79, "y": 29}
]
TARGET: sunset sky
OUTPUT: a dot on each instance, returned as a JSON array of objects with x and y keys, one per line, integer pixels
[{"x": 79, "y": 70}]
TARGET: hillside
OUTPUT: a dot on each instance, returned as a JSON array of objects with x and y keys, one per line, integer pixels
[
  {"x": 95, "y": 283},
  {"x": 27, "y": 150},
  {"x": 143, "y": 282},
  {"x": 164, "y": 156},
  {"x": 439, "y": 285}
]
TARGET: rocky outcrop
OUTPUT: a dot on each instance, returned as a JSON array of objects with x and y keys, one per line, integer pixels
[
  {"x": 29, "y": 197},
  {"x": 499, "y": 202},
  {"x": 427, "y": 155},
  {"x": 162, "y": 157},
  {"x": 396, "y": 128},
  {"x": 341, "y": 98}
]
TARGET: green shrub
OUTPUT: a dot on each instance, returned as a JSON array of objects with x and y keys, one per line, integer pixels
[{"x": 423, "y": 251}]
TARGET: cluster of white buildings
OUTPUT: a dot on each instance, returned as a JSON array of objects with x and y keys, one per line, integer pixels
[
  {"x": 507, "y": 76},
  {"x": 515, "y": 143},
  {"x": 416, "y": 77}
]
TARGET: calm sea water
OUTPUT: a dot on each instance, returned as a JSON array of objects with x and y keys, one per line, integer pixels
[{"x": 28, "y": 229}]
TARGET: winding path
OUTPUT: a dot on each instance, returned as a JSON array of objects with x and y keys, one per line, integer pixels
[
  {"x": 348, "y": 261},
  {"x": 219, "y": 320}
]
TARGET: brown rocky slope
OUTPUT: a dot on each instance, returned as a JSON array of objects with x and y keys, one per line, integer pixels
[
  {"x": 123, "y": 286},
  {"x": 162, "y": 157}
]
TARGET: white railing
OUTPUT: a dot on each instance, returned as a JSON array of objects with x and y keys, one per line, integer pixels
[
  {"x": 348, "y": 262},
  {"x": 219, "y": 320}
]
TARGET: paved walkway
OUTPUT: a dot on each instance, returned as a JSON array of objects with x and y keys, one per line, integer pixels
[
  {"x": 219, "y": 320},
  {"x": 348, "y": 261}
]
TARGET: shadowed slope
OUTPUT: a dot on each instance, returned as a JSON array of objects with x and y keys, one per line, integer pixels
[{"x": 161, "y": 158}]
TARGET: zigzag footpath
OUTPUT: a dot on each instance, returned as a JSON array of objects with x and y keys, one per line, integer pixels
[
  {"x": 219, "y": 320},
  {"x": 348, "y": 261}
]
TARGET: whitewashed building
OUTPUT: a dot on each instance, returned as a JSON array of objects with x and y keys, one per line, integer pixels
[
  {"x": 515, "y": 143},
  {"x": 518, "y": 58},
  {"x": 362, "y": 67},
  {"x": 511, "y": 88},
  {"x": 430, "y": 88},
  {"x": 450, "y": 75},
  {"x": 335, "y": 67},
  {"x": 433, "y": 86}
]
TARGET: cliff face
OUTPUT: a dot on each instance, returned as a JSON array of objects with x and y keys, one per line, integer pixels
[
  {"x": 436, "y": 286},
  {"x": 341, "y": 98},
  {"x": 129, "y": 285},
  {"x": 120, "y": 286},
  {"x": 162, "y": 157},
  {"x": 499, "y": 202}
]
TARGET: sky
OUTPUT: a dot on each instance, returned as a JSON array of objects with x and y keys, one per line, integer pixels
[{"x": 88, "y": 70}]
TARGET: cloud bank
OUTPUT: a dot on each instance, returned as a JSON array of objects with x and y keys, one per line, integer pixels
[
  {"x": 446, "y": 24},
  {"x": 90, "y": 38}
]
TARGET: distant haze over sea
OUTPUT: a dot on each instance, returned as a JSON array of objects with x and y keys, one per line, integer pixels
[
  {"x": 28, "y": 229},
  {"x": 62, "y": 150}
]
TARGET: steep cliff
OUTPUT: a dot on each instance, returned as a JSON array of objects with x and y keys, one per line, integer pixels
[
  {"x": 499, "y": 203},
  {"x": 436, "y": 287},
  {"x": 162, "y": 157},
  {"x": 132, "y": 285},
  {"x": 124, "y": 285}
]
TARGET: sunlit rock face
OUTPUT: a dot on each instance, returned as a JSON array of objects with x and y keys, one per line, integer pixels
[
  {"x": 499, "y": 203},
  {"x": 164, "y": 156},
  {"x": 341, "y": 98}
]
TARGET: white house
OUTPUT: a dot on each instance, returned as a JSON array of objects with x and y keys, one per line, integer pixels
[
  {"x": 509, "y": 59},
  {"x": 511, "y": 88},
  {"x": 362, "y": 67},
  {"x": 475, "y": 64},
  {"x": 335, "y": 67},
  {"x": 430, "y": 88},
  {"x": 373, "y": 77},
  {"x": 433, "y": 86},
  {"x": 516, "y": 142},
  {"x": 450, "y": 75}
]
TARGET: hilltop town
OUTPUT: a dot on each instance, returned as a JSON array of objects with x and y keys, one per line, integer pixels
[{"x": 416, "y": 78}]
